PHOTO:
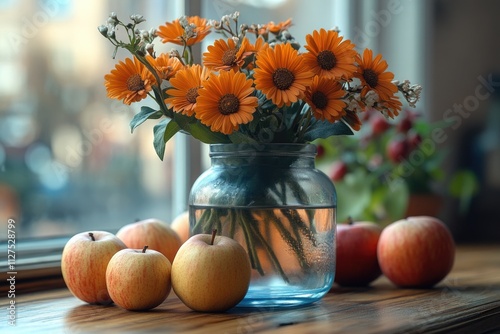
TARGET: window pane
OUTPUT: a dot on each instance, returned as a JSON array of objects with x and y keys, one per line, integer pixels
[{"x": 68, "y": 161}]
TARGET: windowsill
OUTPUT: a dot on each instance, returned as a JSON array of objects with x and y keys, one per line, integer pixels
[
  {"x": 468, "y": 300},
  {"x": 37, "y": 264}
]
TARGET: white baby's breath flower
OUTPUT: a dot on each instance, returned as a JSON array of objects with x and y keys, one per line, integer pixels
[
  {"x": 137, "y": 18},
  {"x": 234, "y": 16},
  {"x": 406, "y": 86},
  {"x": 150, "y": 49},
  {"x": 183, "y": 21},
  {"x": 371, "y": 98}
]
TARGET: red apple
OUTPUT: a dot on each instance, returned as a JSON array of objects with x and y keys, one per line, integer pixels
[
  {"x": 211, "y": 273},
  {"x": 338, "y": 170},
  {"x": 357, "y": 263},
  {"x": 83, "y": 264},
  {"x": 138, "y": 279},
  {"x": 152, "y": 232},
  {"x": 416, "y": 252}
]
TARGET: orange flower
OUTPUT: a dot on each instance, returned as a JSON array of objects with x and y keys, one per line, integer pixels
[
  {"x": 281, "y": 74},
  {"x": 185, "y": 86},
  {"x": 392, "y": 106},
  {"x": 276, "y": 28},
  {"x": 330, "y": 56},
  {"x": 165, "y": 66},
  {"x": 226, "y": 56},
  {"x": 324, "y": 97},
  {"x": 173, "y": 32},
  {"x": 260, "y": 44},
  {"x": 351, "y": 118},
  {"x": 225, "y": 102},
  {"x": 129, "y": 81},
  {"x": 372, "y": 74}
]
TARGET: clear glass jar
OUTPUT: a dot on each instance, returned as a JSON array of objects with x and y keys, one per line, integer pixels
[{"x": 281, "y": 209}]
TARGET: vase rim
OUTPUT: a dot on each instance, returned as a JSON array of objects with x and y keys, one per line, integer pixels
[{"x": 268, "y": 149}]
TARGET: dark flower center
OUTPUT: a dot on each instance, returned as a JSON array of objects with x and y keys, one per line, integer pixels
[
  {"x": 229, "y": 104},
  {"x": 229, "y": 57},
  {"x": 371, "y": 77},
  {"x": 192, "y": 94},
  {"x": 326, "y": 59},
  {"x": 135, "y": 83},
  {"x": 283, "y": 78},
  {"x": 320, "y": 100}
]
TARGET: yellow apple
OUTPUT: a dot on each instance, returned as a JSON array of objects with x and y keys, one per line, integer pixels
[
  {"x": 181, "y": 226},
  {"x": 83, "y": 264},
  {"x": 138, "y": 279},
  {"x": 211, "y": 273},
  {"x": 152, "y": 232}
]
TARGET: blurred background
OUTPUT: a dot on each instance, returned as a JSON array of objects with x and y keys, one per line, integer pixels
[{"x": 69, "y": 163}]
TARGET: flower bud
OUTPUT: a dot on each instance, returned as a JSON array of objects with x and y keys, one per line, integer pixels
[
  {"x": 103, "y": 30},
  {"x": 112, "y": 34},
  {"x": 137, "y": 18}
]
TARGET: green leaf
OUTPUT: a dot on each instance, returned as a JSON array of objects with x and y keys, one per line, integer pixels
[
  {"x": 396, "y": 199},
  {"x": 171, "y": 129},
  {"x": 353, "y": 195},
  {"x": 464, "y": 185},
  {"x": 145, "y": 114},
  {"x": 240, "y": 138},
  {"x": 325, "y": 129},
  {"x": 205, "y": 135},
  {"x": 163, "y": 131}
]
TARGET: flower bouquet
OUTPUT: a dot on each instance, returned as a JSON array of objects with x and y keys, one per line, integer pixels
[{"x": 255, "y": 89}]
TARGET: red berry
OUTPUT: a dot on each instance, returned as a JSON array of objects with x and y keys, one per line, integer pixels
[
  {"x": 398, "y": 150},
  {"x": 405, "y": 125},
  {"x": 414, "y": 139},
  {"x": 379, "y": 125},
  {"x": 320, "y": 151},
  {"x": 338, "y": 171}
]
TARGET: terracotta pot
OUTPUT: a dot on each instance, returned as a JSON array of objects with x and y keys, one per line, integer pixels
[{"x": 424, "y": 205}]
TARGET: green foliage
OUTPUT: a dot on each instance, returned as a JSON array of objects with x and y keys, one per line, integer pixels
[{"x": 377, "y": 187}]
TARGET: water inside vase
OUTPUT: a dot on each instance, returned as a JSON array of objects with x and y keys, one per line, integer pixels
[{"x": 291, "y": 249}]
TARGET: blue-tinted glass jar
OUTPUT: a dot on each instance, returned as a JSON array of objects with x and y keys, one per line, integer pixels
[{"x": 281, "y": 209}]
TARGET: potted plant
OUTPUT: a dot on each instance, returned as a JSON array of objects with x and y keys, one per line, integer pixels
[{"x": 392, "y": 169}]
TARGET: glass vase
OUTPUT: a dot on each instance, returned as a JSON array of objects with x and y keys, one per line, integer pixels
[{"x": 281, "y": 209}]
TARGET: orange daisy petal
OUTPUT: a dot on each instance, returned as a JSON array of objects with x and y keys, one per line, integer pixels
[
  {"x": 373, "y": 75},
  {"x": 224, "y": 102},
  {"x": 173, "y": 32},
  {"x": 330, "y": 56},
  {"x": 184, "y": 91},
  {"x": 324, "y": 96},
  {"x": 129, "y": 81},
  {"x": 281, "y": 74}
]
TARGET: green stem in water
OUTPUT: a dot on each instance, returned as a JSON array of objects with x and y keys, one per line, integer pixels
[{"x": 247, "y": 233}]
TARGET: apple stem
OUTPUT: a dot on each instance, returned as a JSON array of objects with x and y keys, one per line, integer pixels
[
  {"x": 214, "y": 232},
  {"x": 144, "y": 249},
  {"x": 92, "y": 236},
  {"x": 350, "y": 221}
]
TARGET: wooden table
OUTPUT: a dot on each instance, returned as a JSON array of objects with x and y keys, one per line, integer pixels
[{"x": 467, "y": 301}]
